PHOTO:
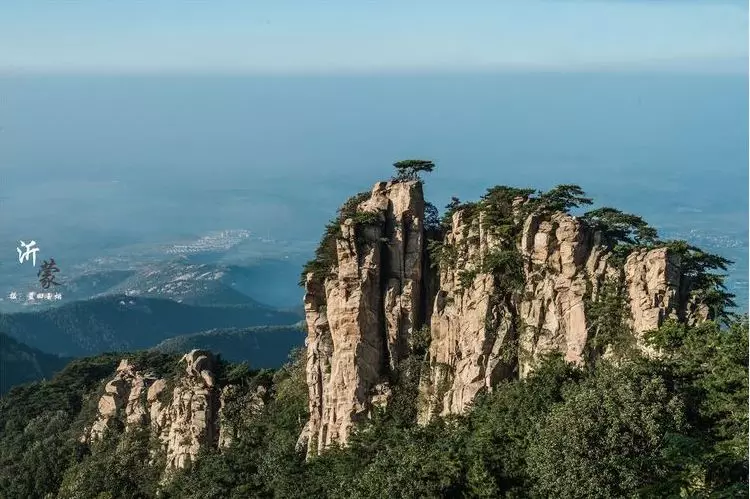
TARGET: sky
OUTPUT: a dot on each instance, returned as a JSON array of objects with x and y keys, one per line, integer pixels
[{"x": 298, "y": 36}]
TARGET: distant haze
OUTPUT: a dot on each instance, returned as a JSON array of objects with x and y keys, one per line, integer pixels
[{"x": 94, "y": 163}]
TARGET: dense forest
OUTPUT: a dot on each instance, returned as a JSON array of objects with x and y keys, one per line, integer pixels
[{"x": 674, "y": 425}]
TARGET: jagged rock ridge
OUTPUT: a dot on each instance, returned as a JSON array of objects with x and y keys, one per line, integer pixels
[
  {"x": 484, "y": 326},
  {"x": 184, "y": 414}
]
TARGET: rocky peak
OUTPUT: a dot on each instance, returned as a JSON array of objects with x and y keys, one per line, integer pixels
[
  {"x": 513, "y": 279},
  {"x": 360, "y": 315},
  {"x": 183, "y": 412},
  {"x": 198, "y": 365}
]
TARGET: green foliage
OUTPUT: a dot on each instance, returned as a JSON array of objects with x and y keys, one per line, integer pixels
[
  {"x": 469, "y": 211},
  {"x": 445, "y": 374},
  {"x": 507, "y": 268},
  {"x": 561, "y": 198},
  {"x": 325, "y": 254},
  {"x": 505, "y": 263},
  {"x": 38, "y": 423},
  {"x": 618, "y": 227},
  {"x": 710, "y": 367},
  {"x": 419, "y": 341},
  {"x": 434, "y": 252},
  {"x": 499, "y": 216},
  {"x": 441, "y": 253},
  {"x": 450, "y": 209},
  {"x": 160, "y": 365},
  {"x": 414, "y": 469},
  {"x": 503, "y": 424},
  {"x": 64, "y": 392},
  {"x": 707, "y": 287},
  {"x": 466, "y": 278},
  {"x": 262, "y": 461},
  {"x": 362, "y": 218},
  {"x": 120, "y": 465},
  {"x": 401, "y": 410},
  {"x": 233, "y": 374},
  {"x": 431, "y": 219},
  {"x": 410, "y": 169},
  {"x": 504, "y": 196},
  {"x": 610, "y": 437},
  {"x": 608, "y": 321},
  {"x": 620, "y": 232},
  {"x": 35, "y": 453}
]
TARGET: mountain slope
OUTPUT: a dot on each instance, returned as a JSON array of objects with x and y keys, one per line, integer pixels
[
  {"x": 564, "y": 431},
  {"x": 20, "y": 363},
  {"x": 116, "y": 323},
  {"x": 263, "y": 347}
]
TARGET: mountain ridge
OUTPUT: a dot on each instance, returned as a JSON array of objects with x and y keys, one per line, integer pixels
[
  {"x": 262, "y": 347},
  {"x": 21, "y": 364},
  {"x": 120, "y": 322}
]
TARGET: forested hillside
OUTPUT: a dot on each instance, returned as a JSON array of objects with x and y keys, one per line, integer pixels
[
  {"x": 259, "y": 346},
  {"x": 20, "y": 363},
  {"x": 665, "y": 427},
  {"x": 122, "y": 323}
]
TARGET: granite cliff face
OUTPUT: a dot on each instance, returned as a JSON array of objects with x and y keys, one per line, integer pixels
[
  {"x": 481, "y": 334},
  {"x": 361, "y": 315},
  {"x": 493, "y": 299},
  {"x": 184, "y": 414}
]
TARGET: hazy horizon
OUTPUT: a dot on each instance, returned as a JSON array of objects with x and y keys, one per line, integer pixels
[
  {"x": 89, "y": 164},
  {"x": 340, "y": 36}
]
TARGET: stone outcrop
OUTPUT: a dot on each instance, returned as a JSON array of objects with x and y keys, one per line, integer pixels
[
  {"x": 471, "y": 329},
  {"x": 360, "y": 317},
  {"x": 477, "y": 341},
  {"x": 184, "y": 414}
]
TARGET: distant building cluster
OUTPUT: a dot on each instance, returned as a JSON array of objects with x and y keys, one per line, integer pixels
[{"x": 220, "y": 241}]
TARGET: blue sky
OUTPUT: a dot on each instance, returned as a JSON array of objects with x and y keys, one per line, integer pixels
[{"x": 370, "y": 36}]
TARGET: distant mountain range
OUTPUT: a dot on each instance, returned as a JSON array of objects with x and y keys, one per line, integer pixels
[
  {"x": 20, "y": 363},
  {"x": 262, "y": 347},
  {"x": 185, "y": 279},
  {"x": 171, "y": 306},
  {"x": 121, "y": 322}
]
